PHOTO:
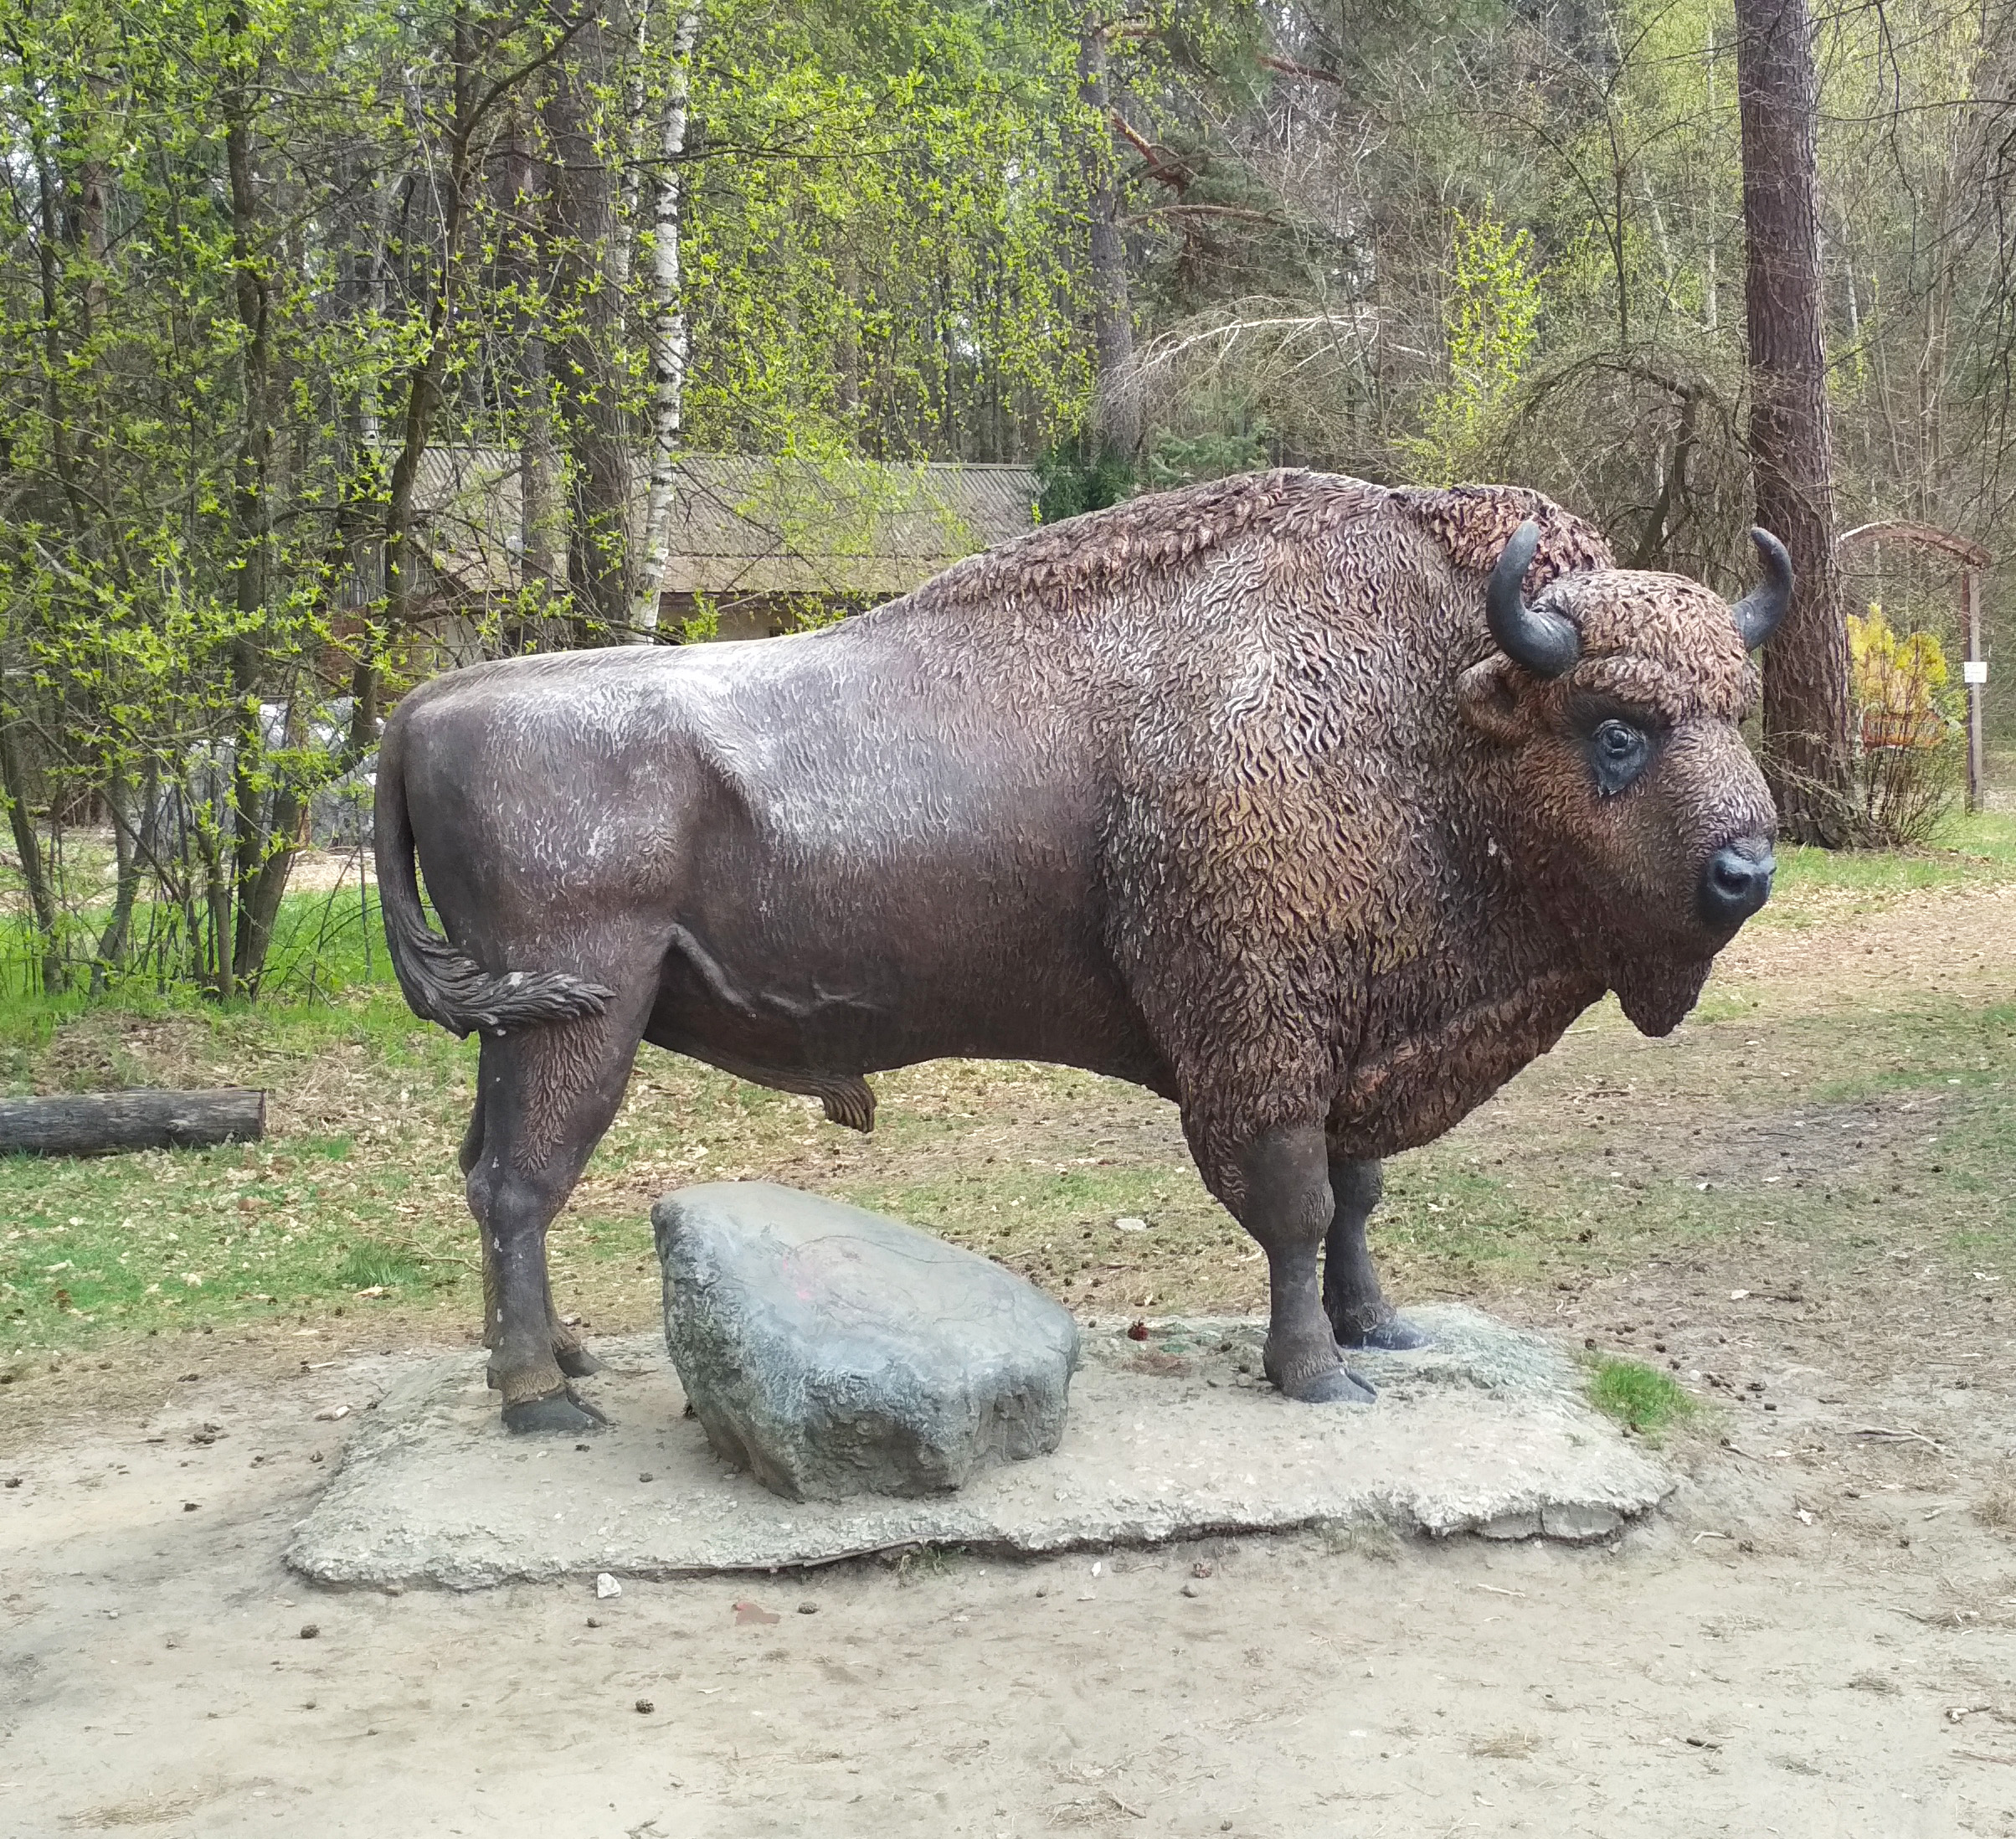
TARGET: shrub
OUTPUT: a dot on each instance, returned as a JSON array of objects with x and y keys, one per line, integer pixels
[{"x": 1908, "y": 728}]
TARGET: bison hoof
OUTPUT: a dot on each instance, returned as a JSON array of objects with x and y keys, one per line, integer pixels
[
  {"x": 560, "y": 1413},
  {"x": 576, "y": 1362},
  {"x": 1395, "y": 1335},
  {"x": 1336, "y": 1386}
]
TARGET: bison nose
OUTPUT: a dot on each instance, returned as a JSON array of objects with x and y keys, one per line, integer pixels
[{"x": 1737, "y": 881}]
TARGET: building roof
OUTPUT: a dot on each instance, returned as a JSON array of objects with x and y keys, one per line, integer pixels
[{"x": 746, "y": 526}]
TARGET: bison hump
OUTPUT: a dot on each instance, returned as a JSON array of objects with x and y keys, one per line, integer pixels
[{"x": 1474, "y": 522}]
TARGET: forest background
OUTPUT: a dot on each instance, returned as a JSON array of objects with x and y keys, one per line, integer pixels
[{"x": 262, "y": 262}]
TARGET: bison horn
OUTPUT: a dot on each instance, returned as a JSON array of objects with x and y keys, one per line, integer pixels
[
  {"x": 1759, "y": 612},
  {"x": 1543, "y": 641}
]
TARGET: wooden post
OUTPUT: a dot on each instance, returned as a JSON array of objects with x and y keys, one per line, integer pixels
[{"x": 1975, "y": 671}]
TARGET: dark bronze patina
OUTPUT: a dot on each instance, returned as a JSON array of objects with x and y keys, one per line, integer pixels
[{"x": 1320, "y": 808}]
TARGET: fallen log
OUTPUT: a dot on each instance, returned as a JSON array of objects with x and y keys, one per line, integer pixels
[{"x": 107, "y": 1123}]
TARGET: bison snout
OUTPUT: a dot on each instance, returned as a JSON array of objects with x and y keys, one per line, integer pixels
[{"x": 1736, "y": 882}]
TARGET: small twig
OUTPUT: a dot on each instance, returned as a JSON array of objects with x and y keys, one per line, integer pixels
[
  {"x": 1698, "y": 1537},
  {"x": 1982, "y": 1756},
  {"x": 1289, "y": 67},
  {"x": 1495, "y": 1591},
  {"x": 1123, "y": 1806},
  {"x": 1900, "y": 1436}
]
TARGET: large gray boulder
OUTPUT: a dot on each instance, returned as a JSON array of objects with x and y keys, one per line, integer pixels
[{"x": 832, "y": 1351}]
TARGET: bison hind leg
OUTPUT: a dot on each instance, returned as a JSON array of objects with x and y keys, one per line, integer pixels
[
  {"x": 547, "y": 1094},
  {"x": 573, "y": 1360}
]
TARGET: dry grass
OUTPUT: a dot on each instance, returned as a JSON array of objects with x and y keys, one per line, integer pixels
[{"x": 1996, "y": 1509}]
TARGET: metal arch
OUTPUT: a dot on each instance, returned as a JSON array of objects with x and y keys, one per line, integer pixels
[{"x": 1926, "y": 535}]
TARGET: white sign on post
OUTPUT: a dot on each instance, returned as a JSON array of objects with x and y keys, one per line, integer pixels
[{"x": 1974, "y": 669}]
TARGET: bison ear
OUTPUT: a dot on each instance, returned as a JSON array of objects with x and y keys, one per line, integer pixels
[{"x": 1488, "y": 694}]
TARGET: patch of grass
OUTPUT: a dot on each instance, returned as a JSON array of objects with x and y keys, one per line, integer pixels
[
  {"x": 174, "y": 1239},
  {"x": 1977, "y": 848},
  {"x": 371, "y": 1264},
  {"x": 325, "y": 944},
  {"x": 926, "y": 1564},
  {"x": 1641, "y": 1397}
]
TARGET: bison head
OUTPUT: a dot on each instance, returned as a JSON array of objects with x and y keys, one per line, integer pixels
[{"x": 1635, "y": 813}]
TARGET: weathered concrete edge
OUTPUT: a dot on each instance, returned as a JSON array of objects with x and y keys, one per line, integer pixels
[
  {"x": 1576, "y": 1522},
  {"x": 1555, "y": 1522}
]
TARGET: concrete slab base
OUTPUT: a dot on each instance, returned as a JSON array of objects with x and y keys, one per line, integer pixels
[{"x": 1484, "y": 1432}]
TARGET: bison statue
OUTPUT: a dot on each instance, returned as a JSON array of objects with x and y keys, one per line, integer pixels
[{"x": 1319, "y": 808}]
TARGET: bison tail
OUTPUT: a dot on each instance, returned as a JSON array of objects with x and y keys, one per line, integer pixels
[{"x": 441, "y": 985}]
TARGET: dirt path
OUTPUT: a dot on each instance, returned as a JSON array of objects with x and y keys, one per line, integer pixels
[
  {"x": 1816, "y": 1639},
  {"x": 1819, "y": 1637}
]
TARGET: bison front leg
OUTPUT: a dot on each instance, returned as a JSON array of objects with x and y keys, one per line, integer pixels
[
  {"x": 1359, "y": 1313},
  {"x": 1285, "y": 1202}
]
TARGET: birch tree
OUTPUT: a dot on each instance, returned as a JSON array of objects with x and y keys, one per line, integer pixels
[{"x": 667, "y": 335}]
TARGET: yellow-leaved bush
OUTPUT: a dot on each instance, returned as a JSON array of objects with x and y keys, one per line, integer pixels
[{"x": 1908, "y": 723}]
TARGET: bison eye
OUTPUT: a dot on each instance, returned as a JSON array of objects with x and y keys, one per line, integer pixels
[{"x": 1619, "y": 752}]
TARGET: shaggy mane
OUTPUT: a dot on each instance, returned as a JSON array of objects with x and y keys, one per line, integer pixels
[{"x": 1157, "y": 534}]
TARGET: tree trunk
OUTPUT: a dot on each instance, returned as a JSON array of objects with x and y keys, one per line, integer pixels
[
  {"x": 1116, "y": 419},
  {"x": 667, "y": 334},
  {"x": 104, "y": 1123},
  {"x": 114, "y": 940},
  {"x": 240, "y": 958},
  {"x": 28, "y": 845},
  {"x": 1806, "y": 714},
  {"x": 523, "y": 270},
  {"x": 590, "y": 384}
]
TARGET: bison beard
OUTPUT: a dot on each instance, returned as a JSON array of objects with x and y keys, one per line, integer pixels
[
  {"x": 1309, "y": 805},
  {"x": 1657, "y": 996}
]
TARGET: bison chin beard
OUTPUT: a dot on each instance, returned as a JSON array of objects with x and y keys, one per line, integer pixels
[{"x": 1656, "y": 992}]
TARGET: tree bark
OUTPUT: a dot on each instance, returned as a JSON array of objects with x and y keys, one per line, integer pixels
[
  {"x": 105, "y": 1123},
  {"x": 1116, "y": 420},
  {"x": 28, "y": 845},
  {"x": 589, "y": 386},
  {"x": 542, "y": 557},
  {"x": 667, "y": 334},
  {"x": 117, "y": 935},
  {"x": 1805, "y": 711},
  {"x": 262, "y": 851}
]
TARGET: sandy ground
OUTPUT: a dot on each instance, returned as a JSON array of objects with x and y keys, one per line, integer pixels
[
  {"x": 1817, "y": 1637},
  {"x": 1805, "y": 1643}
]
